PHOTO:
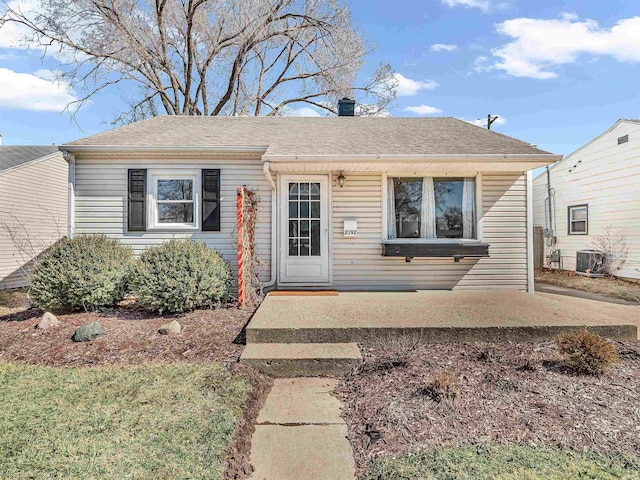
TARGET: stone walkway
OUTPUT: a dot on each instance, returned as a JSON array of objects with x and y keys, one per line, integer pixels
[{"x": 300, "y": 434}]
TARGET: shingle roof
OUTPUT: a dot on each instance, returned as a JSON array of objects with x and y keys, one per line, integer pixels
[
  {"x": 284, "y": 136},
  {"x": 14, "y": 155}
]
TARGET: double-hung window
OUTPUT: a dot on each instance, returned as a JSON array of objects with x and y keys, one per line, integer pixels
[
  {"x": 174, "y": 200},
  {"x": 431, "y": 208},
  {"x": 578, "y": 220}
]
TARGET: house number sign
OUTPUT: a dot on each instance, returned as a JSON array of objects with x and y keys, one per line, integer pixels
[{"x": 350, "y": 227}]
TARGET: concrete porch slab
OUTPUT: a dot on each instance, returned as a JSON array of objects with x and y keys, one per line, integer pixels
[{"x": 439, "y": 316}]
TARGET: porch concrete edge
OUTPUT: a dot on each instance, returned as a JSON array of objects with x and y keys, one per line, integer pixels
[{"x": 531, "y": 333}]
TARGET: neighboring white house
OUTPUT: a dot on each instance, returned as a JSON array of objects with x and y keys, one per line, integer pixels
[
  {"x": 33, "y": 207},
  {"x": 345, "y": 203},
  {"x": 595, "y": 193}
]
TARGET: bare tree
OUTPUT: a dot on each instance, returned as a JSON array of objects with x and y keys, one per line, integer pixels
[
  {"x": 613, "y": 242},
  {"x": 208, "y": 57}
]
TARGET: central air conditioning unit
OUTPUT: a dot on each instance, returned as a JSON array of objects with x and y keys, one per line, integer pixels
[{"x": 591, "y": 263}]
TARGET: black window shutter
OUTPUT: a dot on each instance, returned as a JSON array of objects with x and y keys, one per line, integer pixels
[
  {"x": 136, "y": 208},
  {"x": 211, "y": 200}
]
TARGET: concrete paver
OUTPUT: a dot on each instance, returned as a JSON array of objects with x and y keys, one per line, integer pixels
[
  {"x": 300, "y": 434},
  {"x": 301, "y": 400}
]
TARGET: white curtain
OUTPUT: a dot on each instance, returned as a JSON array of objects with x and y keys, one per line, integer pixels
[
  {"x": 391, "y": 209},
  {"x": 468, "y": 208},
  {"x": 428, "y": 216}
]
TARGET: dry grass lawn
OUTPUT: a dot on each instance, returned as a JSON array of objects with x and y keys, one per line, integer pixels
[
  {"x": 607, "y": 286},
  {"x": 138, "y": 422}
]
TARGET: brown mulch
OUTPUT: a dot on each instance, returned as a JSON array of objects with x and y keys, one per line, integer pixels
[
  {"x": 238, "y": 461},
  {"x": 613, "y": 287},
  {"x": 512, "y": 393},
  {"x": 131, "y": 337}
]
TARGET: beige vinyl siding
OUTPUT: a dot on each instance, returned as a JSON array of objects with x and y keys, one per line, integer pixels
[
  {"x": 33, "y": 204},
  {"x": 101, "y": 203},
  {"x": 357, "y": 262},
  {"x": 608, "y": 180}
]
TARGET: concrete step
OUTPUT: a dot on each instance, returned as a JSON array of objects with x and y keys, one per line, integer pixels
[{"x": 302, "y": 359}]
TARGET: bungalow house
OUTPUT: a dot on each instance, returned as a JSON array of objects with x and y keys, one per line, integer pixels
[
  {"x": 590, "y": 200},
  {"x": 33, "y": 207},
  {"x": 344, "y": 202}
]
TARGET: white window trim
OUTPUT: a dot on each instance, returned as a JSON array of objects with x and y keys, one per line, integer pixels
[
  {"x": 168, "y": 174},
  {"x": 479, "y": 209},
  {"x": 572, "y": 208}
]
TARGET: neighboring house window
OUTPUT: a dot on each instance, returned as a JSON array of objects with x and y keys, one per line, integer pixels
[
  {"x": 175, "y": 199},
  {"x": 431, "y": 208},
  {"x": 578, "y": 220}
]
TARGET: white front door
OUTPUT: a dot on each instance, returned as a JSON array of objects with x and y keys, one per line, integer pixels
[{"x": 304, "y": 229}]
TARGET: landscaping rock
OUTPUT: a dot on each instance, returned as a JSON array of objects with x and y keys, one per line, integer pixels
[
  {"x": 170, "y": 328},
  {"x": 48, "y": 320},
  {"x": 87, "y": 332}
]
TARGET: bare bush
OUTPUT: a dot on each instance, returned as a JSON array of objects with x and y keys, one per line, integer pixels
[{"x": 613, "y": 243}]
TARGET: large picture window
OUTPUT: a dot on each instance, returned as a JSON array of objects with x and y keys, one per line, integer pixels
[{"x": 430, "y": 208}]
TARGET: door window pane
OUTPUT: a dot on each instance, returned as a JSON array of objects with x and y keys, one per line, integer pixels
[
  {"x": 293, "y": 209},
  {"x": 304, "y": 209},
  {"x": 315, "y": 238},
  {"x": 304, "y": 191},
  {"x": 293, "y": 191},
  {"x": 448, "y": 195},
  {"x": 315, "y": 191},
  {"x": 408, "y": 205},
  {"x": 315, "y": 209},
  {"x": 304, "y": 228},
  {"x": 293, "y": 247},
  {"x": 304, "y": 247}
]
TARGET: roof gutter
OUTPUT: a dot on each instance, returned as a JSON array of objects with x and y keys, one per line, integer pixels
[
  {"x": 156, "y": 149},
  {"x": 439, "y": 158}
]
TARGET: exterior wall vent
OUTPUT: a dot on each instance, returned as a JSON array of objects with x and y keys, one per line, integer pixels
[{"x": 623, "y": 139}]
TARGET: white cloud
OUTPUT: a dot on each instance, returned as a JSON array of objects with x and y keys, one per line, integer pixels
[
  {"x": 301, "y": 112},
  {"x": 540, "y": 45},
  {"x": 443, "y": 47},
  {"x": 483, "y": 5},
  {"x": 423, "y": 110},
  {"x": 30, "y": 92},
  {"x": 482, "y": 122},
  {"x": 406, "y": 87}
]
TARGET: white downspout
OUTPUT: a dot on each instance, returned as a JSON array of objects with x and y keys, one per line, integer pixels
[
  {"x": 71, "y": 193},
  {"x": 530, "y": 274},
  {"x": 274, "y": 224}
]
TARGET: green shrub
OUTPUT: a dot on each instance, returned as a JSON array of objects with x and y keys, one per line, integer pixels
[
  {"x": 87, "y": 272},
  {"x": 587, "y": 352},
  {"x": 178, "y": 276}
]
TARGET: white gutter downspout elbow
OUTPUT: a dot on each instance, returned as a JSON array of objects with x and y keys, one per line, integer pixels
[
  {"x": 274, "y": 224},
  {"x": 71, "y": 192}
]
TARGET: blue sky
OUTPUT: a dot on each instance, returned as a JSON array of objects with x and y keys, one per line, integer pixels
[{"x": 558, "y": 73}]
